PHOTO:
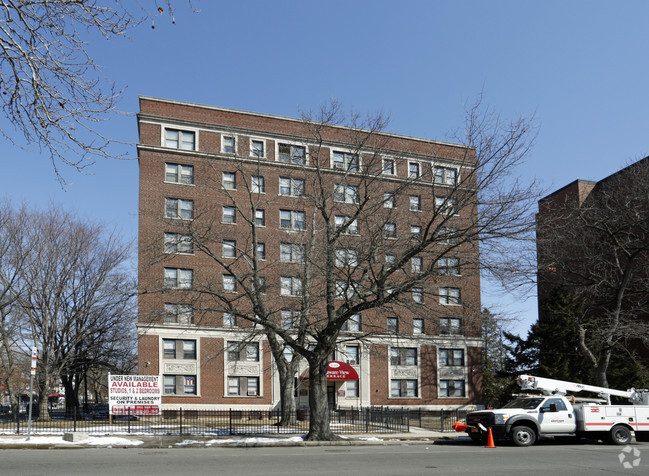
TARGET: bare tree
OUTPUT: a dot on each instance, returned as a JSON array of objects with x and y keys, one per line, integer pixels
[
  {"x": 339, "y": 263},
  {"x": 594, "y": 247},
  {"x": 76, "y": 304},
  {"x": 52, "y": 90}
]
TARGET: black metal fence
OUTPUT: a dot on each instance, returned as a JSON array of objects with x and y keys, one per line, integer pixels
[
  {"x": 439, "y": 420},
  {"x": 212, "y": 422}
]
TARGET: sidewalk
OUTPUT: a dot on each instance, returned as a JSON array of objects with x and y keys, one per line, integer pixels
[{"x": 37, "y": 441}]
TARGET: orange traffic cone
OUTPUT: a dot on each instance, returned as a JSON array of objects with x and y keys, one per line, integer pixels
[{"x": 490, "y": 440}]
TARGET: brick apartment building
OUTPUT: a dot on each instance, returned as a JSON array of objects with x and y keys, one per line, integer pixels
[
  {"x": 219, "y": 187},
  {"x": 592, "y": 246}
]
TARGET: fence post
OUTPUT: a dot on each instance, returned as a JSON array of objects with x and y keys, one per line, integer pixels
[
  {"x": 128, "y": 417},
  {"x": 180, "y": 421},
  {"x": 230, "y": 421},
  {"x": 74, "y": 413},
  {"x": 18, "y": 422},
  {"x": 408, "y": 420},
  {"x": 367, "y": 420}
]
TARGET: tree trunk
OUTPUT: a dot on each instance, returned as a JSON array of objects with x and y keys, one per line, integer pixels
[
  {"x": 319, "y": 428},
  {"x": 287, "y": 401}
]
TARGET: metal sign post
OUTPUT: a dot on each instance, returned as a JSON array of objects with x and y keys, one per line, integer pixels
[{"x": 31, "y": 387}]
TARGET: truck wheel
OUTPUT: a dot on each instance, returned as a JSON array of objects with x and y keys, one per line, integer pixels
[
  {"x": 619, "y": 435},
  {"x": 523, "y": 436}
]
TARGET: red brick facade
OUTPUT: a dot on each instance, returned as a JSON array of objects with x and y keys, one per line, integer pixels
[{"x": 193, "y": 357}]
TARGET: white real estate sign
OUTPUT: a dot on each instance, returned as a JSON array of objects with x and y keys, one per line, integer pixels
[{"x": 134, "y": 394}]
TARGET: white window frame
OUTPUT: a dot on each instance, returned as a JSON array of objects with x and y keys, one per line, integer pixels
[
  {"x": 352, "y": 389},
  {"x": 414, "y": 204},
  {"x": 294, "y": 185},
  {"x": 346, "y": 257},
  {"x": 253, "y": 151},
  {"x": 260, "y": 217},
  {"x": 393, "y": 169},
  {"x": 353, "y": 354},
  {"x": 353, "y": 324},
  {"x": 261, "y": 250},
  {"x": 183, "y": 278},
  {"x": 448, "y": 386},
  {"x": 229, "y": 319},
  {"x": 345, "y": 193},
  {"x": 257, "y": 184},
  {"x": 178, "y": 244},
  {"x": 229, "y": 180},
  {"x": 449, "y": 266},
  {"x": 229, "y": 249},
  {"x": 418, "y": 295},
  {"x": 290, "y": 286},
  {"x": 182, "y": 205},
  {"x": 295, "y": 252},
  {"x": 445, "y": 178},
  {"x": 229, "y": 283},
  {"x": 417, "y": 264},
  {"x": 450, "y": 296},
  {"x": 404, "y": 388},
  {"x": 415, "y": 232},
  {"x": 231, "y": 218},
  {"x": 410, "y": 171},
  {"x": 417, "y": 326},
  {"x": 294, "y": 222},
  {"x": 451, "y": 357},
  {"x": 390, "y": 231},
  {"x": 234, "y": 143},
  {"x": 180, "y": 141},
  {"x": 450, "y": 326},
  {"x": 348, "y": 160},
  {"x": 292, "y": 155},
  {"x": 342, "y": 220},
  {"x": 388, "y": 200},
  {"x": 184, "y": 174},
  {"x": 178, "y": 313},
  {"x": 446, "y": 205}
]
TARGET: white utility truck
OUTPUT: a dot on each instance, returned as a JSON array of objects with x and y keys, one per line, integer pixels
[{"x": 552, "y": 413}]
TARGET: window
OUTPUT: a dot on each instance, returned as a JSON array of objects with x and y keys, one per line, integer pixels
[
  {"x": 260, "y": 217},
  {"x": 447, "y": 235},
  {"x": 352, "y": 225},
  {"x": 291, "y": 187},
  {"x": 243, "y": 352},
  {"x": 243, "y": 386},
  {"x": 351, "y": 388},
  {"x": 229, "y": 248},
  {"x": 229, "y": 144},
  {"x": 448, "y": 266},
  {"x": 292, "y": 154},
  {"x": 229, "y": 180},
  {"x": 289, "y": 318},
  {"x": 184, "y": 140},
  {"x": 229, "y": 215},
  {"x": 353, "y": 354},
  {"x": 178, "y": 278},
  {"x": 257, "y": 184},
  {"x": 445, "y": 175},
  {"x": 345, "y": 161},
  {"x": 344, "y": 289},
  {"x": 346, "y": 193},
  {"x": 390, "y": 230},
  {"x": 290, "y": 286},
  {"x": 449, "y": 296},
  {"x": 229, "y": 283},
  {"x": 414, "y": 170},
  {"x": 353, "y": 324},
  {"x": 179, "y": 313},
  {"x": 415, "y": 232},
  {"x": 416, "y": 264},
  {"x": 257, "y": 148},
  {"x": 179, "y": 349},
  {"x": 445, "y": 205},
  {"x": 403, "y": 356},
  {"x": 229, "y": 319},
  {"x": 176, "y": 173},
  {"x": 346, "y": 257},
  {"x": 388, "y": 200},
  {"x": 415, "y": 203},
  {"x": 389, "y": 167},
  {"x": 260, "y": 287},
  {"x": 291, "y": 253},
  {"x": 451, "y": 357},
  {"x": 179, "y": 208},
  {"x": 179, "y": 384},
  {"x": 390, "y": 259},
  {"x": 393, "y": 324},
  {"x": 403, "y": 388},
  {"x": 417, "y": 326},
  {"x": 177, "y": 243},
  {"x": 450, "y": 326},
  {"x": 451, "y": 388},
  {"x": 418, "y": 295},
  {"x": 291, "y": 219},
  {"x": 261, "y": 251}
]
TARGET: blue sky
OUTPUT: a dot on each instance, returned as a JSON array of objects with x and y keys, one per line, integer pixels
[{"x": 580, "y": 67}]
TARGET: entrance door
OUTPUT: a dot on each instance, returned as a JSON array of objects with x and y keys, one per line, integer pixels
[{"x": 331, "y": 395}]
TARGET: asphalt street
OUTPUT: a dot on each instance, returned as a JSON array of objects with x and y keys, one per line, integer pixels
[{"x": 406, "y": 459}]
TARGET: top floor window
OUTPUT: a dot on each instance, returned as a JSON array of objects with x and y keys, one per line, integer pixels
[
  {"x": 389, "y": 167},
  {"x": 177, "y": 139},
  {"x": 292, "y": 154},
  {"x": 414, "y": 170},
  {"x": 176, "y": 173},
  {"x": 257, "y": 148},
  {"x": 345, "y": 161},
  {"x": 229, "y": 144},
  {"x": 445, "y": 175}
]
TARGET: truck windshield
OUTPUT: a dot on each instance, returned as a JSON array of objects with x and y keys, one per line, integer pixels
[{"x": 524, "y": 403}]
